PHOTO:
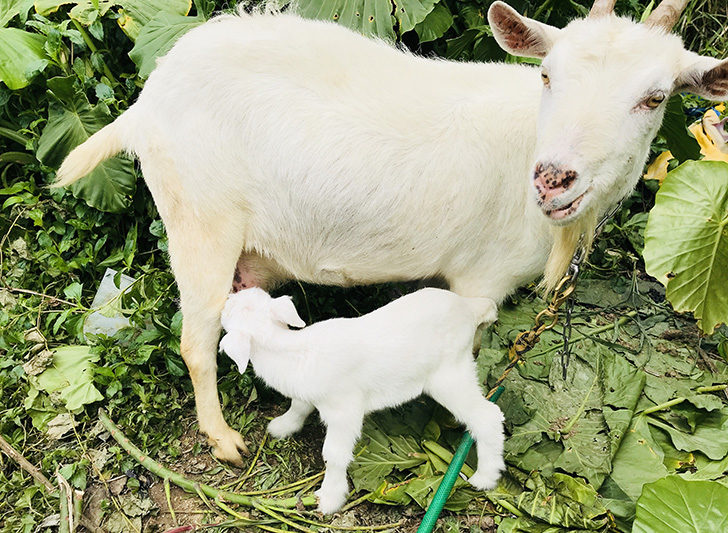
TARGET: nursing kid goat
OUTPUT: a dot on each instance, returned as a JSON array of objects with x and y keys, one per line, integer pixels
[{"x": 280, "y": 148}]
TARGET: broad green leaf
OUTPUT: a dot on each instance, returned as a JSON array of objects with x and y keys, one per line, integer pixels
[
  {"x": 639, "y": 460},
  {"x": 71, "y": 377},
  {"x": 683, "y": 146},
  {"x": 710, "y": 436},
  {"x": 71, "y": 121},
  {"x": 137, "y": 13},
  {"x": 686, "y": 240},
  {"x": 21, "y": 57},
  {"x": 409, "y": 13},
  {"x": 369, "y": 17},
  {"x": 675, "y": 505},
  {"x": 435, "y": 24},
  {"x": 378, "y": 454},
  {"x": 10, "y": 8},
  {"x": 157, "y": 37}
]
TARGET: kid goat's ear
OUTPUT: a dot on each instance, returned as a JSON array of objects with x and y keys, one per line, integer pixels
[
  {"x": 237, "y": 346},
  {"x": 520, "y": 36},
  {"x": 706, "y": 77},
  {"x": 284, "y": 311}
]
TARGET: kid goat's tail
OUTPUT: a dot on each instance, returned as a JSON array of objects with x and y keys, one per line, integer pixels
[{"x": 105, "y": 143}]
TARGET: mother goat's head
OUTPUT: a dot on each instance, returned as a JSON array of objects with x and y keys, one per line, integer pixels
[{"x": 606, "y": 82}]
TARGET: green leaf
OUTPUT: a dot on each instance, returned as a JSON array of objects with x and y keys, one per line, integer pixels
[
  {"x": 10, "y": 8},
  {"x": 686, "y": 240},
  {"x": 709, "y": 436},
  {"x": 72, "y": 120},
  {"x": 71, "y": 377},
  {"x": 21, "y": 57},
  {"x": 639, "y": 460},
  {"x": 378, "y": 454},
  {"x": 409, "y": 13},
  {"x": 369, "y": 17},
  {"x": 675, "y": 505},
  {"x": 674, "y": 129},
  {"x": 137, "y": 13},
  {"x": 435, "y": 24},
  {"x": 157, "y": 37}
]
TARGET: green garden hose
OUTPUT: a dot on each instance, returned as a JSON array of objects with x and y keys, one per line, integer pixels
[{"x": 443, "y": 491}]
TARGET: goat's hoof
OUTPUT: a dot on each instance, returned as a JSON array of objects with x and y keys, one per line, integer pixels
[
  {"x": 330, "y": 502},
  {"x": 229, "y": 447},
  {"x": 486, "y": 477},
  {"x": 282, "y": 427}
]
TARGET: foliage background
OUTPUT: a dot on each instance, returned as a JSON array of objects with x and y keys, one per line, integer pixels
[{"x": 82, "y": 70}]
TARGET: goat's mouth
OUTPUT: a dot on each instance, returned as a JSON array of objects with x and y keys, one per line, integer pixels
[{"x": 566, "y": 211}]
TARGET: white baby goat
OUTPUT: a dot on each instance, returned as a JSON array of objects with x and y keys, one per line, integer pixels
[
  {"x": 347, "y": 367},
  {"x": 299, "y": 149}
]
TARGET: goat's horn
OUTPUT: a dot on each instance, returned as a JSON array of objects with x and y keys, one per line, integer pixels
[
  {"x": 666, "y": 14},
  {"x": 602, "y": 8}
]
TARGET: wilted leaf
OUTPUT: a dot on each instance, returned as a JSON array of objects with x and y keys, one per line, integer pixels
[
  {"x": 21, "y": 57},
  {"x": 674, "y": 505},
  {"x": 710, "y": 436},
  {"x": 686, "y": 240},
  {"x": 157, "y": 37},
  {"x": 71, "y": 377}
]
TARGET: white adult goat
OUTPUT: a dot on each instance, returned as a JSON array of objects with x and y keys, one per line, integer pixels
[
  {"x": 348, "y": 367},
  {"x": 298, "y": 149}
]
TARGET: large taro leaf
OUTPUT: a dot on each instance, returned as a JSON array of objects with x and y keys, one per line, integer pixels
[
  {"x": 435, "y": 24},
  {"x": 370, "y": 17},
  {"x": 686, "y": 240},
  {"x": 377, "y": 18},
  {"x": 157, "y": 37},
  {"x": 70, "y": 378},
  {"x": 72, "y": 120},
  {"x": 10, "y": 8},
  {"x": 21, "y": 57},
  {"x": 675, "y": 505}
]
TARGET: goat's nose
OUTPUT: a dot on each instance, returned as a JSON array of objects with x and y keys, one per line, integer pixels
[{"x": 551, "y": 181}]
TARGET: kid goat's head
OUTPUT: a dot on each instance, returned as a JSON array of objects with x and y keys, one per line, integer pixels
[{"x": 606, "y": 82}]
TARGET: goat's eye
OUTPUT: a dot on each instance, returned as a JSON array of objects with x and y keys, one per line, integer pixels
[
  {"x": 545, "y": 79},
  {"x": 654, "y": 100}
]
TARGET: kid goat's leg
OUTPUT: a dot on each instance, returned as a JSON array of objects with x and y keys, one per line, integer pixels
[
  {"x": 342, "y": 431},
  {"x": 291, "y": 421},
  {"x": 456, "y": 388}
]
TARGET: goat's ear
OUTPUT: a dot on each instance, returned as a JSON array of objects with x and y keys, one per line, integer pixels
[
  {"x": 520, "y": 36},
  {"x": 706, "y": 77},
  {"x": 284, "y": 311},
  {"x": 237, "y": 346}
]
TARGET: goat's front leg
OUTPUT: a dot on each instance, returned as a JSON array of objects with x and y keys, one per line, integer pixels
[
  {"x": 291, "y": 421},
  {"x": 343, "y": 430}
]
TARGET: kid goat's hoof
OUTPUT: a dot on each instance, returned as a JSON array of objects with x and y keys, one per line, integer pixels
[
  {"x": 282, "y": 427},
  {"x": 486, "y": 478},
  {"x": 330, "y": 503}
]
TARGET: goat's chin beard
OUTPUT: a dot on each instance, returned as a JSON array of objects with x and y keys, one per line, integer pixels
[{"x": 566, "y": 239}]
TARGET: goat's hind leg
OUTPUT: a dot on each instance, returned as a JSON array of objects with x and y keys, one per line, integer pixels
[
  {"x": 342, "y": 431},
  {"x": 456, "y": 388},
  {"x": 291, "y": 421},
  {"x": 203, "y": 254}
]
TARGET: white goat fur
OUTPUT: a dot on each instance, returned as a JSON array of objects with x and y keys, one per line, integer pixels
[
  {"x": 302, "y": 150},
  {"x": 347, "y": 367}
]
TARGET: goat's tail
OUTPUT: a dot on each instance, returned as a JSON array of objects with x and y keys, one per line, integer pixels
[{"x": 105, "y": 143}]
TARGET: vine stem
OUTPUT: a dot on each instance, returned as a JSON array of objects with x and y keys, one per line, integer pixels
[{"x": 191, "y": 486}]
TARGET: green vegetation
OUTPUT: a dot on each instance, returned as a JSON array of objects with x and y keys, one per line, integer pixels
[{"x": 643, "y": 398}]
